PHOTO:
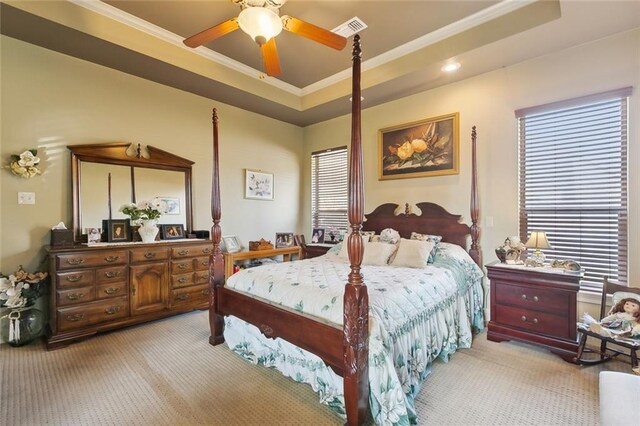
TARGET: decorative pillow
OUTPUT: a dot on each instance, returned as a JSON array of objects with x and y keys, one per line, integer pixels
[
  {"x": 426, "y": 237},
  {"x": 378, "y": 253},
  {"x": 413, "y": 253},
  {"x": 374, "y": 253},
  {"x": 336, "y": 248}
]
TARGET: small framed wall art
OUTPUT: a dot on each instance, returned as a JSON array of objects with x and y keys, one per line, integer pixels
[{"x": 258, "y": 185}]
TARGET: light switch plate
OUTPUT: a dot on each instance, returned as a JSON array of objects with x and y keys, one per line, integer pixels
[{"x": 26, "y": 197}]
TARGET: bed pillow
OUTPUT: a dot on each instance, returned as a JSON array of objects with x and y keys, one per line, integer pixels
[
  {"x": 378, "y": 253},
  {"x": 375, "y": 253},
  {"x": 413, "y": 253},
  {"x": 435, "y": 239}
]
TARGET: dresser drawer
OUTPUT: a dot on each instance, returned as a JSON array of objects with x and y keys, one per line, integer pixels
[
  {"x": 182, "y": 266},
  {"x": 201, "y": 277},
  {"x": 74, "y": 296},
  {"x": 107, "y": 290},
  {"x": 552, "y": 301},
  {"x": 151, "y": 253},
  {"x": 191, "y": 251},
  {"x": 92, "y": 313},
  {"x": 182, "y": 280},
  {"x": 535, "y": 321},
  {"x": 100, "y": 258},
  {"x": 75, "y": 278},
  {"x": 189, "y": 296},
  {"x": 201, "y": 263},
  {"x": 107, "y": 275}
]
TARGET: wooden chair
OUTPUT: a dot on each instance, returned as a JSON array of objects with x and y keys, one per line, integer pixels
[{"x": 607, "y": 353}]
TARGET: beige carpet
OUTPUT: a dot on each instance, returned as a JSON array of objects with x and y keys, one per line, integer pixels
[{"x": 165, "y": 373}]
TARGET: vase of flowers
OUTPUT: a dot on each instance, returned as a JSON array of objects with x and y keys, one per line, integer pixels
[
  {"x": 145, "y": 214},
  {"x": 20, "y": 321}
]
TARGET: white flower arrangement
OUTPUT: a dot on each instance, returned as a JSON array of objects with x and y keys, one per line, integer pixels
[
  {"x": 25, "y": 165},
  {"x": 145, "y": 210},
  {"x": 21, "y": 289}
]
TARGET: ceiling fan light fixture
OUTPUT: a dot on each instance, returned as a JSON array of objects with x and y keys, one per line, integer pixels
[
  {"x": 451, "y": 67},
  {"x": 260, "y": 23}
]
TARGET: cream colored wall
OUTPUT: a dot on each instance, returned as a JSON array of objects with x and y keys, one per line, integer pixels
[
  {"x": 489, "y": 101},
  {"x": 50, "y": 100}
]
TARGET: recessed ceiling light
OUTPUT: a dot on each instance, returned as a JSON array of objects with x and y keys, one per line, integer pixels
[{"x": 451, "y": 67}]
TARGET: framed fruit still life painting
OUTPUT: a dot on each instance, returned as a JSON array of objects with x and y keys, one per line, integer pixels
[{"x": 429, "y": 147}]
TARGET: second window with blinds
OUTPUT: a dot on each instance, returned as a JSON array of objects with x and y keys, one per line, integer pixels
[
  {"x": 329, "y": 196},
  {"x": 573, "y": 181}
]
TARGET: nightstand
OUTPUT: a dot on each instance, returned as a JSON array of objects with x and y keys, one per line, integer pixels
[{"x": 534, "y": 305}]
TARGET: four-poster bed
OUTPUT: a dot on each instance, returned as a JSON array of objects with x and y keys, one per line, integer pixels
[{"x": 341, "y": 338}]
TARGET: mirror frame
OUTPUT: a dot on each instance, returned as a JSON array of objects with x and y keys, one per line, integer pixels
[{"x": 116, "y": 153}]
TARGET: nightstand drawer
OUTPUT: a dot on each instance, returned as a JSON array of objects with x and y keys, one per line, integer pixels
[
  {"x": 535, "y": 321},
  {"x": 553, "y": 301}
]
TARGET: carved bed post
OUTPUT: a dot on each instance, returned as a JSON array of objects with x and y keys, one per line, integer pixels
[
  {"x": 356, "y": 299},
  {"x": 475, "y": 253},
  {"x": 216, "y": 260}
]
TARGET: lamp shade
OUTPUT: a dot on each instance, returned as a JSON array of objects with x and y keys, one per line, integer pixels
[
  {"x": 538, "y": 240},
  {"x": 260, "y": 23}
]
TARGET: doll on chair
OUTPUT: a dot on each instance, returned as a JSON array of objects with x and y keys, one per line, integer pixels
[{"x": 623, "y": 320}]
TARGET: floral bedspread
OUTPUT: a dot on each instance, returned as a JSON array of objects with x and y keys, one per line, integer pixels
[{"x": 416, "y": 316}]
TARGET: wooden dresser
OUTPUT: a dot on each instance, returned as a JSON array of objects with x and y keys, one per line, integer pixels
[
  {"x": 534, "y": 305},
  {"x": 95, "y": 289}
]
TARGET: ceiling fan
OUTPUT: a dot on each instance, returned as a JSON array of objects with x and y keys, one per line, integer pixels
[{"x": 261, "y": 20}]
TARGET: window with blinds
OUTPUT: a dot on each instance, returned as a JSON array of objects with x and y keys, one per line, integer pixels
[
  {"x": 573, "y": 181},
  {"x": 329, "y": 197}
]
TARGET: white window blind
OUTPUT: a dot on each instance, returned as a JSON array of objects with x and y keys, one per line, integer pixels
[
  {"x": 329, "y": 197},
  {"x": 573, "y": 181}
]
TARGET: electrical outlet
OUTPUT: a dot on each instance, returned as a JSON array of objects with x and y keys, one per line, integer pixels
[
  {"x": 26, "y": 197},
  {"x": 489, "y": 222}
]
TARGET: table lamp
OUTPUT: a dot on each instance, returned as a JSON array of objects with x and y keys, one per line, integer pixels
[{"x": 538, "y": 240}]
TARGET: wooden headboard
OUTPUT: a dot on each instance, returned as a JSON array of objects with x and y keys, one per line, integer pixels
[{"x": 434, "y": 220}]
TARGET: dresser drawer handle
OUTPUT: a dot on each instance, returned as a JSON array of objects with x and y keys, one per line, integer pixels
[
  {"x": 149, "y": 255},
  {"x": 112, "y": 274},
  {"x": 524, "y": 297},
  {"x": 112, "y": 310},
  {"x": 203, "y": 276},
  {"x": 111, "y": 259},
  {"x": 183, "y": 296},
  {"x": 535, "y": 298},
  {"x": 183, "y": 266},
  {"x": 75, "y": 296},
  {"x": 74, "y": 278},
  {"x": 534, "y": 321},
  {"x": 206, "y": 250},
  {"x": 183, "y": 252},
  {"x": 112, "y": 290},
  {"x": 182, "y": 280},
  {"x": 75, "y": 261},
  {"x": 205, "y": 263},
  {"x": 206, "y": 291},
  {"x": 75, "y": 317}
]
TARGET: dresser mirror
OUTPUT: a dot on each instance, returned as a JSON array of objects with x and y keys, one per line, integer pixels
[{"x": 106, "y": 176}]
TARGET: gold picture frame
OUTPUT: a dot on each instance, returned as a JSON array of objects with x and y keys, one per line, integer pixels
[{"x": 429, "y": 147}]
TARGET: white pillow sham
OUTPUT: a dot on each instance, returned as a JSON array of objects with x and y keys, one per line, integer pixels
[
  {"x": 413, "y": 253},
  {"x": 375, "y": 253}
]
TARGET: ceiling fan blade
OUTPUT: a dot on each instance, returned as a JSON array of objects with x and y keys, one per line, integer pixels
[
  {"x": 270, "y": 58},
  {"x": 212, "y": 33},
  {"x": 313, "y": 32}
]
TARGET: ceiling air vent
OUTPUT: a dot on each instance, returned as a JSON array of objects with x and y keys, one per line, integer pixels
[{"x": 351, "y": 27}]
